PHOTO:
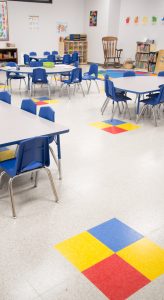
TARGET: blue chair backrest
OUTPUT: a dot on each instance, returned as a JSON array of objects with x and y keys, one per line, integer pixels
[
  {"x": 47, "y": 113},
  {"x": 51, "y": 58},
  {"x": 39, "y": 75},
  {"x": 26, "y": 59},
  {"x": 129, "y": 73},
  {"x": 66, "y": 59},
  {"x": 161, "y": 73},
  {"x": 29, "y": 106},
  {"x": 5, "y": 97},
  {"x": 32, "y": 53},
  {"x": 11, "y": 64},
  {"x": 75, "y": 57},
  {"x": 34, "y": 63},
  {"x": 32, "y": 154},
  {"x": 55, "y": 52},
  {"x": 109, "y": 88},
  {"x": 93, "y": 70},
  {"x": 46, "y": 53},
  {"x": 76, "y": 75},
  {"x": 161, "y": 94},
  {"x": 76, "y": 64}
]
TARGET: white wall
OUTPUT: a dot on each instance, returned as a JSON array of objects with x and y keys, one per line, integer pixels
[
  {"x": 130, "y": 34},
  {"x": 95, "y": 34},
  {"x": 46, "y": 38}
]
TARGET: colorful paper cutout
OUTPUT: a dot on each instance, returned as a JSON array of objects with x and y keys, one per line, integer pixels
[
  {"x": 127, "y": 20},
  {"x": 145, "y": 20},
  {"x": 154, "y": 20},
  {"x": 93, "y": 18},
  {"x": 136, "y": 20}
]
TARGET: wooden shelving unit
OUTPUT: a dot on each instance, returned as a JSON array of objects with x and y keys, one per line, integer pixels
[
  {"x": 145, "y": 58},
  {"x": 79, "y": 44},
  {"x": 8, "y": 54}
]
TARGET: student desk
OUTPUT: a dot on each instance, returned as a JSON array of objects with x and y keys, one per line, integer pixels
[
  {"x": 17, "y": 125},
  {"x": 139, "y": 85}
]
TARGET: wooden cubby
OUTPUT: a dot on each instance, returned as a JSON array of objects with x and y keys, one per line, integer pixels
[{"x": 8, "y": 54}]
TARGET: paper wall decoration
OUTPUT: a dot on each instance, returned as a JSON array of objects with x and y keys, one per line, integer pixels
[
  {"x": 93, "y": 18},
  {"x": 127, "y": 20},
  {"x": 136, "y": 20},
  {"x": 33, "y": 22},
  {"x": 145, "y": 20},
  {"x": 4, "y": 28},
  {"x": 154, "y": 20},
  {"x": 62, "y": 27}
]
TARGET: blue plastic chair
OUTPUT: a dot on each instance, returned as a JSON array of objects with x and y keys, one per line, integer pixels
[
  {"x": 91, "y": 75},
  {"x": 11, "y": 75},
  {"x": 129, "y": 74},
  {"x": 29, "y": 106},
  {"x": 154, "y": 103},
  {"x": 46, "y": 53},
  {"x": 36, "y": 64},
  {"x": 32, "y": 156},
  {"x": 51, "y": 58},
  {"x": 161, "y": 73},
  {"x": 75, "y": 79},
  {"x": 66, "y": 59},
  {"x": 33, "y": 53},
  {"x": 75, "y": 57},
  {"x": 39, "y": 76},
  {"x": 5, "y": 97},
  {"x": 55, "y": 52},
  {"x": 117, "y": 98},
  {"x": 49, "y": 114},
  {"x": 26, "y": 59}
]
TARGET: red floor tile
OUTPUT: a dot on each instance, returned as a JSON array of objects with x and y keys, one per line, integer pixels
[
  {"x": 114, "y": 130},
  {"x": 116, "y": 278},
  {"x": 41, "y": 103}
]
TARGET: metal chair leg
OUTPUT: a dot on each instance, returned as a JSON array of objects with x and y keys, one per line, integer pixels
[
  {"x": 82, "y": 89},
  {"x": 89, "y": 87},
  {"x": 154, "y": 115},
  {"x": 53, "y": 155},
  {"x": 104, "y": 106},
  {"x": 36, "y": 179},
  {"x": 97, "y": 86},
  {"x": 12, "y": 197},
  {"x": 52, "y": 184},
  {"x": 113, "y": 111},
  {"x": 1, "y": 175},
  {"x": 127, "y": 107},
  {"x": 49, "y": 91},
  {"x": 139, "y": 116}
]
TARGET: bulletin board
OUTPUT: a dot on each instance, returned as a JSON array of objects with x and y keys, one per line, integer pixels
[
  {"x": 4, "y": 28},
  {"x": 160, "y": 62}
]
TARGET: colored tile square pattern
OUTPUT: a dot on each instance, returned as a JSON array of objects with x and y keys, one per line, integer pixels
[
  {"x": 44, "y": 100},
  {"x": 114, "y": 126},
  {"x": 117, "y": 259}
]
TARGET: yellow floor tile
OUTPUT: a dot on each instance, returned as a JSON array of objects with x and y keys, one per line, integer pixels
[
  {"x": 35, "y": 100},
  {"x": 146, "y": 257},
  {"x": 128, "y": 126},
  {"x": 83, "y": 250},
  {"x": 100, "y": 125},
  {"x": 7, "y": 154},
  {"x": 51, "y": 101}
]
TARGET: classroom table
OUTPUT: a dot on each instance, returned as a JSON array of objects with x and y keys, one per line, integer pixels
[
  {"x": 139, "y": 85},
  {"x": 17, "y": 125},
  {"x": 57, "y": 69}
]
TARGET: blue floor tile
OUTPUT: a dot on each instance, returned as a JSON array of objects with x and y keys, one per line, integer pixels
[
  {"x": 114, "y": 122},
  {"x": 115, "y": 234},
  {"x": 42, "y": 98}
]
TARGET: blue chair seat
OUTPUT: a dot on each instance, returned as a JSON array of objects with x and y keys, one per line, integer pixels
[
  {"x": 121, "y": 97},
  {"x": 89, "y": 77},
  {"x": 9, "y": 166},
  {"x": 16, "y": 76}
]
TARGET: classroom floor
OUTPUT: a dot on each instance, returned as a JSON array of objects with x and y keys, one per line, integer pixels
[{"x": 113, "y": 178}]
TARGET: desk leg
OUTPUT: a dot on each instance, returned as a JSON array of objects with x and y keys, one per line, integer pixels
[
  {"x": 59, "y": 156},
  {"x": 138, "y": 106}
]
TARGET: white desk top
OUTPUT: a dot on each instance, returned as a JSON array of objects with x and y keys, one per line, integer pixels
[
  {"x": 17, "y": 125},
  {"x": 139, "y": 84},
  {"x": 28, "y": 70}
]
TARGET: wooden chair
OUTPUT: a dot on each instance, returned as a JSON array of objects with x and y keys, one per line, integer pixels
[{"x": 110, "y": 51}]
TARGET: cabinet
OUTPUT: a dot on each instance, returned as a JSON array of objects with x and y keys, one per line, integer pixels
[
  {"x": 8, "y": 54},
  {"x": 145, "y": 58},
  {"x": 75, "y": 42}
]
